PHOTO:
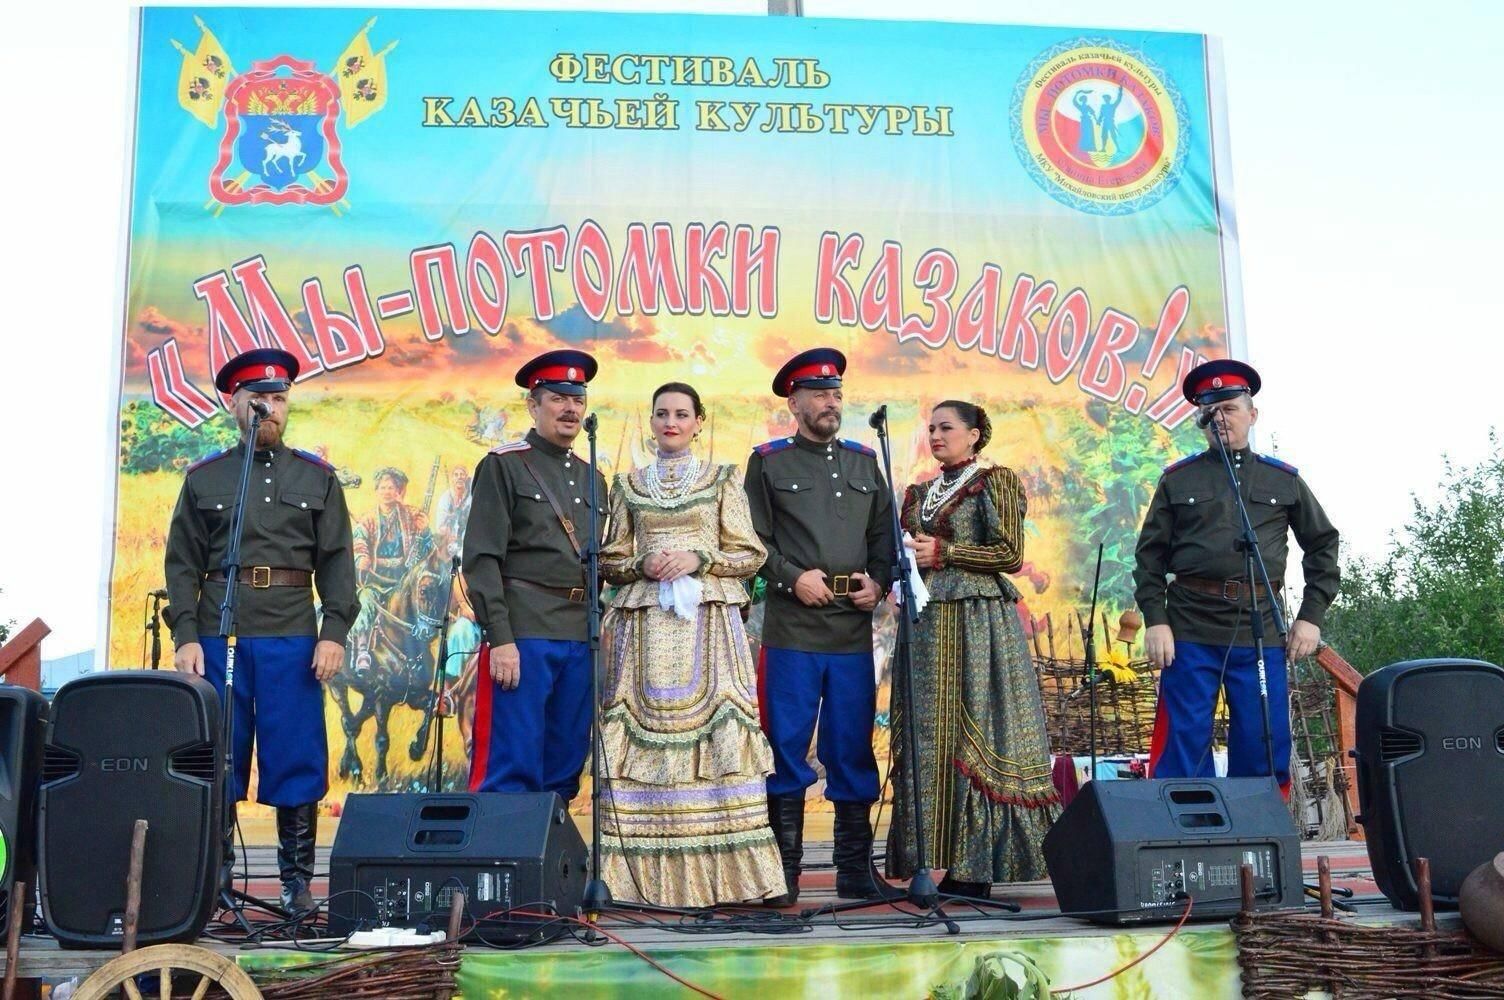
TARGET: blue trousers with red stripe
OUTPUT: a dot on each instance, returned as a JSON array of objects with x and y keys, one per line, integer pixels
[
  {"x": 795, "y": 688},
  {"x": 279, "y": 704},
  {"x": 1188, "y": 698},
  {"x": 534, "y": 738}
]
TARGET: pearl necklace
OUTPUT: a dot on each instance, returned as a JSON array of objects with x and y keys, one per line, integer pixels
[
  {"x": 941, "y": 491},
  {"x": 666, "y": 493}
]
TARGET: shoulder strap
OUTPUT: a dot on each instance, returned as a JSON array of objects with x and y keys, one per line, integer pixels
[{"x": 548, "y": 495}]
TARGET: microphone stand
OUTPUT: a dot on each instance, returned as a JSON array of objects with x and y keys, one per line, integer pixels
[
  {"x": 230, "y": 898},
  {"x": 922, "y": 892},
  {"x": 1257, "y": 575},
  {"x": 440, "y": 670},
  {"x": 154, "y": 626},
  {"x": 597, "y": 895},
  {"x": 1088, "y": 633}
]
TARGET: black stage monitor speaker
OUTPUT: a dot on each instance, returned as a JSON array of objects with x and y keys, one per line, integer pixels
[
  {"x": 1430, "y": 750},
  {"x": 398, "y": 859},
  {"x": 23, "y": 716},
  {"x": 124, "y": 745},
  {"x": 1128, "y": 852}
]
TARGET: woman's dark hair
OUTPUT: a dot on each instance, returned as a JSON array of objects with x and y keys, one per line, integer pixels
[
  {"x": 973, "y": 416},
  {"x": 686, "y": 389}
]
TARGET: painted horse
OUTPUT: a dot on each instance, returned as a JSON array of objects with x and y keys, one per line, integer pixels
[{"x": 389, "y": 660}]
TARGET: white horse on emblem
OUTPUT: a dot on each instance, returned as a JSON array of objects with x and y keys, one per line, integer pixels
[{"x": 289, "y": 151}]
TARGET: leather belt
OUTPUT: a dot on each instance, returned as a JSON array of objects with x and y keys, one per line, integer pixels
[
  {"x": 575, "y": 595},
  {"x": 839, "y": 584},
  {"x": 1229, "y": 590},
  {"x": 262, "y": 577}
]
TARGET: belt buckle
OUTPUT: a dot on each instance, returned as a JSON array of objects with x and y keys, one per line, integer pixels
[
  {"x": 261, "y": 577},
  {"x": 841, "y": 585},
  {"x": 1236, "y": 588},
  {"x": 577, "y": 595}
]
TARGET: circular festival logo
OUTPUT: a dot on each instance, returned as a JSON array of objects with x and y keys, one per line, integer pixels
[{"x": 1099, "y": 127}]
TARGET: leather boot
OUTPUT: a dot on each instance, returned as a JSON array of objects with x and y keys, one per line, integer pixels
[
  {"x": 297, "y": 829},
  {"x": 786, "y": 817},
  {"x": 856, "y": 877}
]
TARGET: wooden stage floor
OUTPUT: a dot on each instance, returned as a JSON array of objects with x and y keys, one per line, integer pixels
[{"x": 41, "y": 958}]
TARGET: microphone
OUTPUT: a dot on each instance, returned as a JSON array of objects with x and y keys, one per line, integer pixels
[
  {"x": 260, "y": 409},
  {"x": 590, "y": 424},
  {"x": 878, "y": 418},
  {"x": 160, "y": 595},
  {"x": 1205, "y": 417}
]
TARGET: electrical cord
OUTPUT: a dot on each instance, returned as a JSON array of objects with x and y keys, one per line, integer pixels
[{"x": 1124, "y": 968}]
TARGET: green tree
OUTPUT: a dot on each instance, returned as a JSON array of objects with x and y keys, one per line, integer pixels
[
  {"x": 6, "y": 628},
  {"x": 1439, "y": 589}
]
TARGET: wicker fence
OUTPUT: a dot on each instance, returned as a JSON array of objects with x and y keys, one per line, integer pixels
[{"x": 1321, "y": 800}]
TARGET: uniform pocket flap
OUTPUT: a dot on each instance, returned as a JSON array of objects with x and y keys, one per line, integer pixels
[
  {"x": 797, "y": 484},
  {"x": 217, "y": 501},
  {"x": 304, "y": 501},
  {"x": 1272, "y": 498},
  {"x": 1192, "y": 498},
  {"x": 863, "y": 485}
]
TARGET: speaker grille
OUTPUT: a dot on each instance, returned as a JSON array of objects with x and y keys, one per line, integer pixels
[
  {"x": 195, "y": 762},
  {"x": 1397, "y": 743},
  {"x": 58, "y": 764}
]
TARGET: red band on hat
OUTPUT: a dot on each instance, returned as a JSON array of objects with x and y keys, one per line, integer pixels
[
  {"x": 556, "y": 373},
  {"x": 257, "y": 373},
  {"x": 822, "y": 370},
  {"x": 1226, "y": 381}
]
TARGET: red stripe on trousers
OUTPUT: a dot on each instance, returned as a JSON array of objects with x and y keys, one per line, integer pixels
[
  {"x": 762, "y": 688},
  {"x": 480, "y": 737}
]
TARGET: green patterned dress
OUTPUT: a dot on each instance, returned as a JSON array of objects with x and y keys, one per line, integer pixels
[{"x": 984, "y": 758}]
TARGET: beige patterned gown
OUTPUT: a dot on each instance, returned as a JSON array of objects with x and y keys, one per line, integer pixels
[
  {"x": 984, "y": 756},
  {"x": 684, "y": 809}
]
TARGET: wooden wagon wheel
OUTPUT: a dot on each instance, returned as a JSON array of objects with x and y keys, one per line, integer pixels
[{"x": 167, "y": 959}]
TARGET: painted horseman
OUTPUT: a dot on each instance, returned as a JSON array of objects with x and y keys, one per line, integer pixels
[
  {"x": 399, "y": 576},
  {"x": 389, "y": 539}
]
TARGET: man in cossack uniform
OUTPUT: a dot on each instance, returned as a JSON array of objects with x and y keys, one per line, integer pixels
[
  {"x": 296, "y": 537},
  {"x": 529, "y": 521},
  {"x": 821, "y": 507},
  {"x": 1193, "y": 588}
]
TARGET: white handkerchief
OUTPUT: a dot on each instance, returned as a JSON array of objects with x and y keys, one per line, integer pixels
[
  {"x": 916, "y": 582},
  {"x": 680, "y": 595}
]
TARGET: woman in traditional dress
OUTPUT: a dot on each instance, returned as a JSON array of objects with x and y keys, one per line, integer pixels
[
  {"x": 984, "y": 761},
  {"x": 684, "y": 808}
]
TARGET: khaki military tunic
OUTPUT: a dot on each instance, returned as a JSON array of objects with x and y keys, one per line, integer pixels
[
  {"x": 1192, "y": 530},
  {"x": 514, "y": 538},
  {"x": 295, "y": 519},
  {"x": 820, "y": 505}
]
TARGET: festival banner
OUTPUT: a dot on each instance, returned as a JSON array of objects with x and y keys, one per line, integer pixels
[{"x": 414, "y": 202}]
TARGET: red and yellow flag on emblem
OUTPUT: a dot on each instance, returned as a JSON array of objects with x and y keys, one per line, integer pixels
[
  {"x": 206, "y": 70},
  {"x": 362, "y": 77}
]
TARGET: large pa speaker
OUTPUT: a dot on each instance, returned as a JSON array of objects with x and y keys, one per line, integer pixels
[
  {"x": 1128, "y": 852},
  {"x": 1430, "y": 752},
  {"x": 124, "y": 745},
  {"x": 397, "y": 860},
  {"x": 23, "y": 716}
]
